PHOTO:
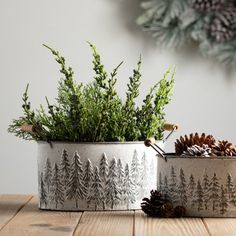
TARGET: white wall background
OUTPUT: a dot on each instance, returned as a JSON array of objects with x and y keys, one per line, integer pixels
[{"x": 204, "y": 99}]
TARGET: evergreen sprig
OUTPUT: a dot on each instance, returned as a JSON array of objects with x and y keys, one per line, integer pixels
[{"x": 94, "y": 112}]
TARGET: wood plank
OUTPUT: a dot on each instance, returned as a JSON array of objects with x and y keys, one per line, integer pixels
[
  {"x": 109, "y": 223},
  {"x": 221, "y": 226},
  {"x": 145, "y": 225},
  {"x": 34, "y": 222},
  {"x": 10, "y": 205}
]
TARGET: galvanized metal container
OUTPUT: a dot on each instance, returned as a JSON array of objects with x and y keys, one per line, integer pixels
[
  {"x": 206, "y": 186},
  {"x": 95, "y": 176}
]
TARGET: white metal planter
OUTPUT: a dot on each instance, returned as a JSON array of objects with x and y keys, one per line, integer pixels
[
  {"x": 95, "y": 176},
  {"x": 205, "y": 186}
]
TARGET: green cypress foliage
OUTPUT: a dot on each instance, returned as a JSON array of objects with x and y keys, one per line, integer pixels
[{"x": 94, "y": 112}]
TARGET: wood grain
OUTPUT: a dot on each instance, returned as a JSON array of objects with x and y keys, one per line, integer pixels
[
  {"x": 109, "y": 223},
  {"x": 221, "y": 226},
  {"x": 32, "y": 221},
  {"x": 168, "y": 227},
  {"x": 10, "y": 205}
]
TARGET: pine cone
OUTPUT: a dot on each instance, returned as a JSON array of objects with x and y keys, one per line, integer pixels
[
  {"x": 224, "y": 148},
  {"x": 196, "y": 150},
  {"x": 205, "y": 6},
  {"x": 157, "y": 205},
  {"x": 183, "y": 143},
  {"x": 223, "y": 26},
  {"x": 179, "y": 211}
]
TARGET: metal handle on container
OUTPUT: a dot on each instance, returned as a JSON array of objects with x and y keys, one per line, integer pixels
[{"x": 151, "y": 142}]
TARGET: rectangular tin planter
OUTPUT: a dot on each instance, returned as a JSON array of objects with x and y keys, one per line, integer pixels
[
  {"x": 95, "y": 176},
  {"x": 205, "y": 186}
]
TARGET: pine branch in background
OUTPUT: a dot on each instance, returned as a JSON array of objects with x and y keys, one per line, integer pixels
[
  {"x": 210, "y": 23},
  {"x": 95, "y": 112}
]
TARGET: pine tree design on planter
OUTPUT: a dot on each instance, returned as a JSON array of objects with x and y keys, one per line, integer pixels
[
  {"x": 48, "y": 174},
  {"x": 76, "y": 189},
  {"x": 43, "y": 193},
  {"x": 57, "y": 191},
  {"x": 143, "y": 182},
  {"x": 135, "y": 168},
  {"x": 173, "y": 184},
  {"x": 104, "y": 168},
  {"x": 214, "y": 189},
  {"x": 120, "y": 174},
  {"x": 153, "y": 182},
  {"x": 230, "y": 190},
  {"x": 103, "y": 172},
  {"x": 223, "y": 202},
  {"x": 182, "y": 189},
  {"x": 129, "y": 188},
  {"x": 96, "y": 195},
  {"x": 204, "y": 196},
  {"x": 100, "y": 187},
  {"x": 205, "y": 188},
  {"x": 112, "y": 188},
  {"x": 65, "y": 168},
  {"x": 88, "y": 180},
  {"x": 198, "y": 196},
  {"x": 160, "y": 183},
  {"x": 165, "y": 188},
  {"x": 191, "y": 187}
]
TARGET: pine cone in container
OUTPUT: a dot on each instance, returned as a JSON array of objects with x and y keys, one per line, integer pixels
[
  {"x": 183, "y": 143},
  {"x": 224, "y": 148},
  {"x": 196, "y": 150}
]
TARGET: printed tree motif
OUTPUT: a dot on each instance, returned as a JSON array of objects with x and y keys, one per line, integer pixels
[
  {"x": 173, "y": 185},
  {"x": 112, "y": 188},
  {"x": 120, "y": 174},
  {"x": 152, "y": 175},
  {"x": 65, "y": 168},
  {"x": 160, "y": 183},
  {"x": 191, "y": 188},
  {"x": 144, "y": 181},
  {"x": 135, "y": 171},
  {"x": 96, "y": 194},
  {"x": 129, "y": 190},
  {"x": 230, "y": 190},
  {"x": 43, "y": 194},
  {"x": 103, "y": 170},
  {"x": 205, "y": 188},
  {"x": 76, "y": 189},
  {"x": 57, "y": 187},
  {"x": 223, "y": 202},
  {"x": 165, "y": 190},
  {"x": 48, "y": 174},
  {"x": 88, "y": 177},
  {"x": 214, "y": 192},
  {"x": 198, "y": 196},
  {"x": 182, "y": 189}
]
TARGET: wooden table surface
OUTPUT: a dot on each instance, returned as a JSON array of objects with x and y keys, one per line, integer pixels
[{"x": 19, "y": 215}]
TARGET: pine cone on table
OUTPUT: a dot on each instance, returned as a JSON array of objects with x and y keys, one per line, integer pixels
[
  {"x": 157, "y": 205},
  {"x": 183, "y": 143},
  {"x": 179, "y": 211},
  {"x": 224, "y": 148},
  {"x": 205, "y": 6},
  {"x": 223, "y": 26}
]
